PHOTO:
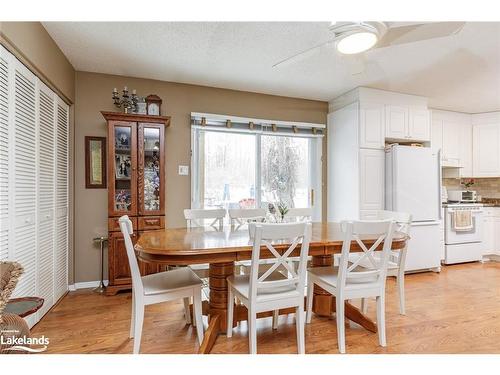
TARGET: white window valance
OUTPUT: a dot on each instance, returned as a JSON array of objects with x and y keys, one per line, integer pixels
[{"x": 216, "y": 122}]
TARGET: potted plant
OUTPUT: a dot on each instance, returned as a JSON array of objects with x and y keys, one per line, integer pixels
[{"x": 467, "y": 183}]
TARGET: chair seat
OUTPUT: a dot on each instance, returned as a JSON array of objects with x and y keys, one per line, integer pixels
[
  {"x": 241, "y": 283},
  {"x": 329, "y": 275},
  {"x": 162, "y": 282}
]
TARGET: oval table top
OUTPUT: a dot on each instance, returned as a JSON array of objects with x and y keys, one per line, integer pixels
[{"x": 206, "y": 244}]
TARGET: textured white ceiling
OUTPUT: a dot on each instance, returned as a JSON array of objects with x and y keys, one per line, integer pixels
[{"x": 460, "y": 72}]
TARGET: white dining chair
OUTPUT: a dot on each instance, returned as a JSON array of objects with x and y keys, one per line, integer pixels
[
  {"x": 240, "y": 216},
  {"x": 199, "y": 217},
  {"x": 397, "y": 258},
  {"x": 271, "y": 290},
  {"x": 349, "y": 280},
  {"x": 159, "y": 287},
  {"x": 207, "y": 218},
  {"x": 299, "y": 214}
]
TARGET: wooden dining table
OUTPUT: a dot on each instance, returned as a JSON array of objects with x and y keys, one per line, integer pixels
[{"x": 221, "y": 248}]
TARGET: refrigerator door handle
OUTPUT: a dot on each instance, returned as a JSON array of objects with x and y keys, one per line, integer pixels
[{"x": 440, "y": 179}]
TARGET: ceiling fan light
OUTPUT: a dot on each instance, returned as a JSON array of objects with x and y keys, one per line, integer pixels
[{"x": 356, "y": 43}]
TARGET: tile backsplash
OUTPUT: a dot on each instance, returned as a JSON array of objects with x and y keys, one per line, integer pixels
[{"x": 485, "y": 187}]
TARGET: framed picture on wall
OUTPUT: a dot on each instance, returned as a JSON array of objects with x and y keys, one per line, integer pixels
[{"x": 95, "y": 162}]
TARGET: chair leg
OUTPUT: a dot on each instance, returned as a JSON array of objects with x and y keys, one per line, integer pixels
[
  {"x": 139, "y": 320},
  {"x": 132, "y": 318},
  {"x": 364, "y": 305},
  {"x": 401, "y": 292},
  {"x": 381, "y": 320},
  {"x": 340, "y": 324},
  {"x": 299, "y": 323},
  {"x": 230, "y": 312},
  {"x": 252, "y": 331},
  {"x": 275, "y": 319},
  {"x": 310, "y": 296},
  {"x": 197, "y": 314},
  {"x": 187, "y": 312}
]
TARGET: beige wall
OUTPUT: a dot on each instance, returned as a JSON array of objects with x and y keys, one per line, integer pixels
[
  {"x": 93, "y": 94},
  {"x": 34, "y": 45}
]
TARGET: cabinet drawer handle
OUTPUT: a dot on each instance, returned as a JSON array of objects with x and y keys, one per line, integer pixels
[{"x": 152, "y": 221}]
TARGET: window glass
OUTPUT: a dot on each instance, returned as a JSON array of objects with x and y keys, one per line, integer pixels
[
  {"x": 285, "y": 170},
  {"x": 228, "y": 174}
]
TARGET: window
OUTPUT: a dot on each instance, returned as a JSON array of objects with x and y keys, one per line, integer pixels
[{"x": 233, "y": 168}]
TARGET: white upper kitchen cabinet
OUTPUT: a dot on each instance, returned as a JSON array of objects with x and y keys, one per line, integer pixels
[
  {"x": 407, "y": 123},
  {"x": 419, "y": 124},
  {"x": 451, "y": 139},
  {"x": 452, "y": 134},
  {"x": 465, "y": 148},
  {"x": 372, "y": 179},
  {"x": 371, "y": 126},
  {"x": 486, "y": 144},
  {"x": 396, "y": 121},
  {"x": 486, "y": 154}
]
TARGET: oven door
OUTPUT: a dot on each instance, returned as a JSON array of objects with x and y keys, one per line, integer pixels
[{"x": 458, "y": 237}]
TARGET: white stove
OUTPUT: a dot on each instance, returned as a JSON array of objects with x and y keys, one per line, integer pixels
[{"x": 463, "y": 242}]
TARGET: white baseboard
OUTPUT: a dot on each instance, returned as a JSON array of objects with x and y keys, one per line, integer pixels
[
  {"x": 491, "y": 257},
  {"x": 85, "y": 285}
]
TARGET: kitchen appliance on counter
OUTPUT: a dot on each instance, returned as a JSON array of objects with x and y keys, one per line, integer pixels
[
  {"x": 413, "y": 185},
  {"x": 463, "y": 232},
  {"x": 462, "y": 196}
]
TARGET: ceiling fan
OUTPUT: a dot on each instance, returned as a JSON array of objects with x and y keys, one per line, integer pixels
[{"x": 352, "y": 38}]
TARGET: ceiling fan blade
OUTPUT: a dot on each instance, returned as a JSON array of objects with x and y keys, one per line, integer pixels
[
  {"x": 303, "y": 54},
  {"x": 416, "y": 32}
]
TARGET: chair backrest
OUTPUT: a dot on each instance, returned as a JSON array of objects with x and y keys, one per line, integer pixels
[
  {"x": 403, "y": 220},
  {"x": 299, "y": 214},
  {"x": 241, "y": 216},
  {"x": 403, "y": 225},
  {"x": 196, "y": 217},
  {"x": 127, "y": 231},
  {"x": 378, "y": 231},
  {"x": 270, "y": 235}
]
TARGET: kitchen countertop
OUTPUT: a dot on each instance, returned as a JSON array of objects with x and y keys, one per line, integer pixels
[
  {"x": 485, "y": 202},
  {"x": 490, "y": 202}
]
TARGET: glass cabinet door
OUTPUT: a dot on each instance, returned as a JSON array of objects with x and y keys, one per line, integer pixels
[
  {"x": 151, "y": 169},
  {"x": 123, "y": 168}
]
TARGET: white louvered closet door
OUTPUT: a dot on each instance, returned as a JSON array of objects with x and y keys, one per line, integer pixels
[
  {"x": 34, "y": 205},
  {"x": 46, "y": 196},
  {"x": 24, "y": 166},
  {"x": 62, "y": 200},
  {"x": 5, "y": 84}
]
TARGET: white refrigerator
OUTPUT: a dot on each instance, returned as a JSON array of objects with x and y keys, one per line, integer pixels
[{"x": 413, "y": 185}]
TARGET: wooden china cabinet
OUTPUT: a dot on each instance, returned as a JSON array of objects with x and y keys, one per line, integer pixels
[{"x": 136, "y": 187}]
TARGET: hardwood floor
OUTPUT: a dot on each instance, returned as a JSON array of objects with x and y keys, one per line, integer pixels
[{"x": 456, "y": 311}]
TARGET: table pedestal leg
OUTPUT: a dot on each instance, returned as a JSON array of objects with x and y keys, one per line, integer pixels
[
  {"x": 324, "y": 302},
  {"x": 217, "y": 312}
]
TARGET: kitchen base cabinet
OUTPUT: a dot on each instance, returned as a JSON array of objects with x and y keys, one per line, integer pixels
[{"x": 491, "y": 231}]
